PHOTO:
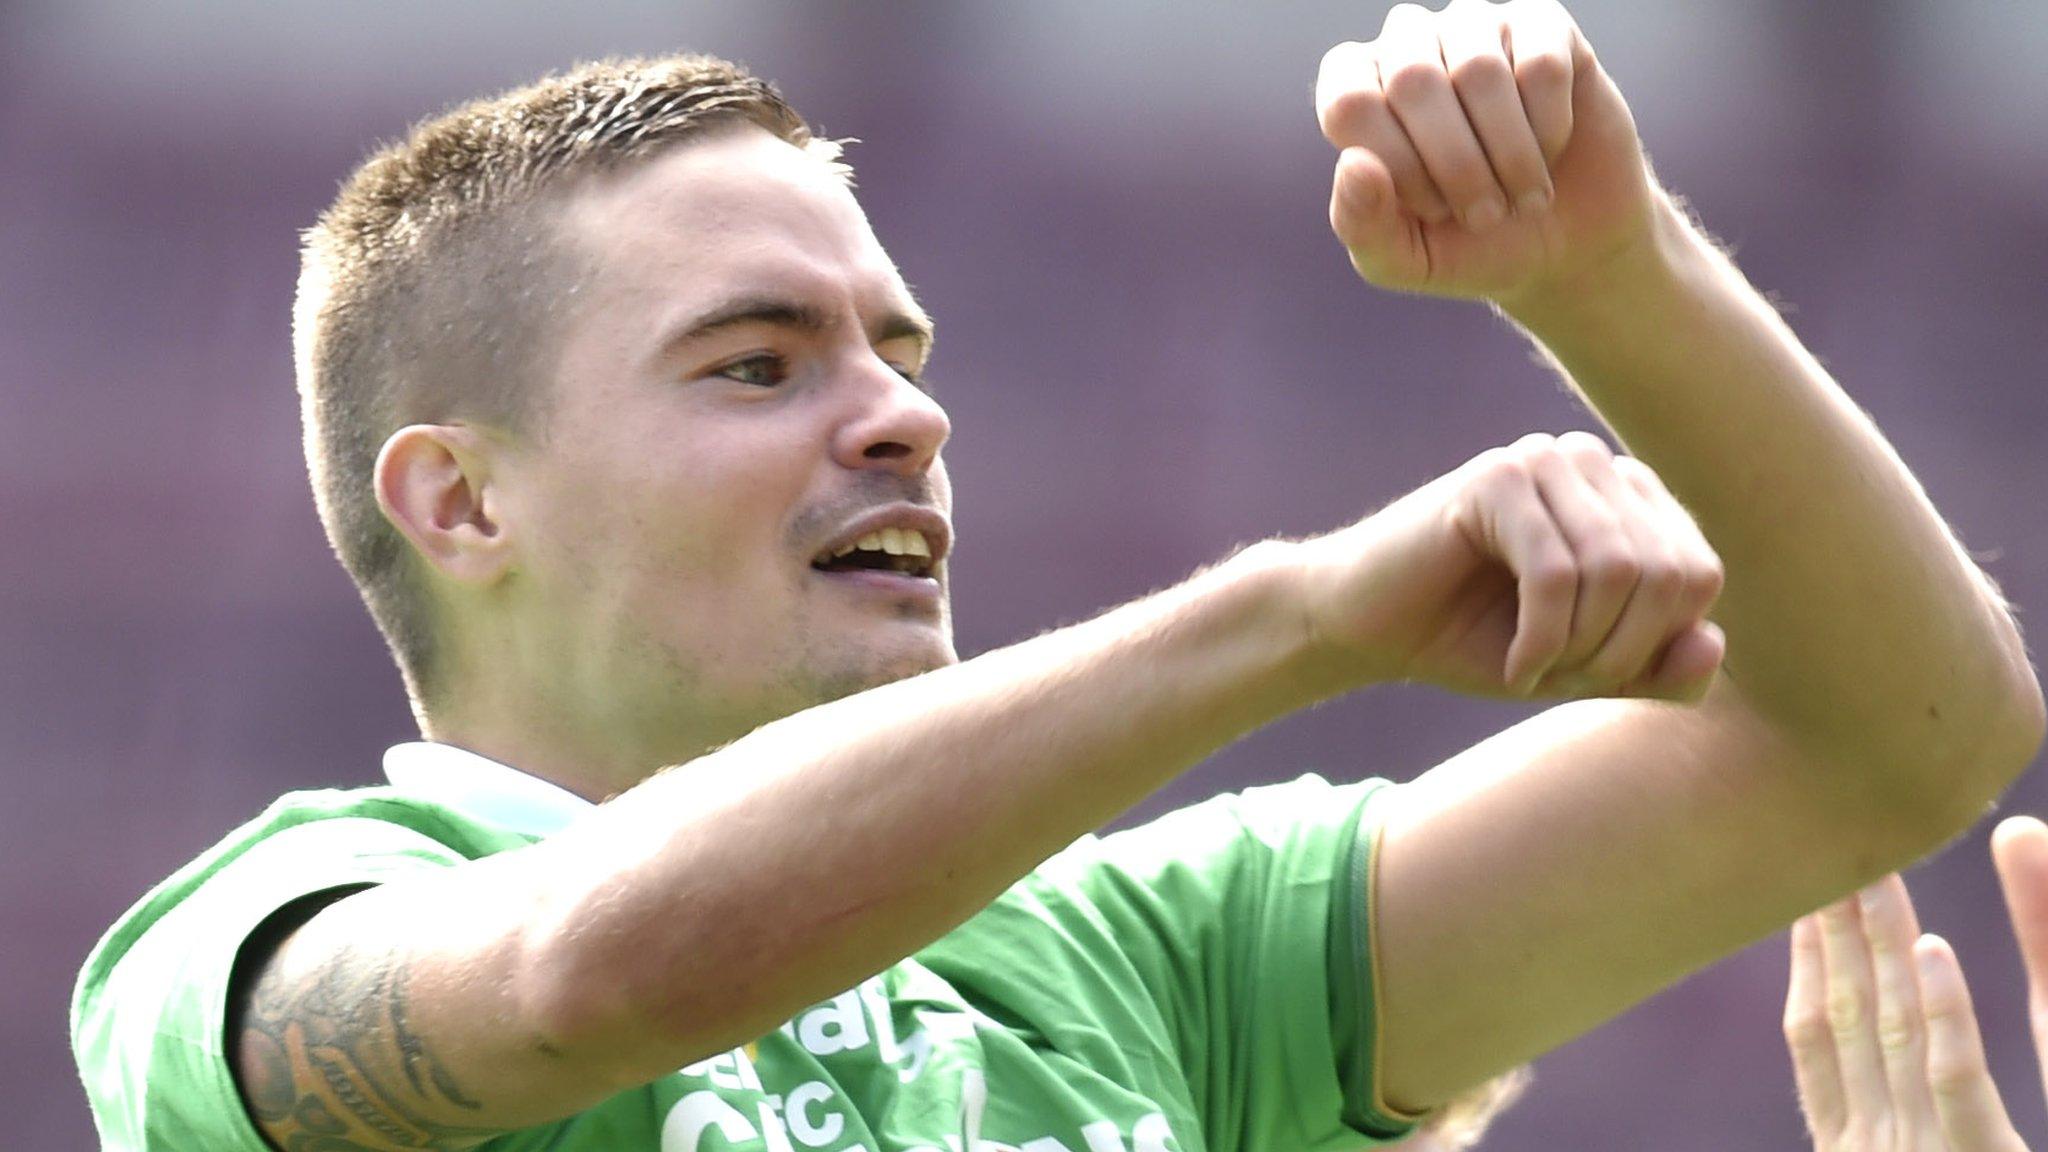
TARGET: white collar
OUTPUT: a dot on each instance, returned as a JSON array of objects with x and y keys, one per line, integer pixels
[{"x": 481, "y": 787}]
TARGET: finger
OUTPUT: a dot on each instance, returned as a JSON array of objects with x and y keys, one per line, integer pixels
[
  {"x": 1542, "y": 43},
  {"x": 1656, "y": 611},
  {"x": 1852, "y": 1015},
  {"x": 1383, "y": 245},
  {"x": 1476, "y": 58},
  {"x": 1411, "y": 72},
  {"x": 1704, "y": 574},
  {"x": 1519, "y": 531},
  {"x": 1972, "y": 1115},
  {"x": 1685, "y": 673},
  {"x": 1352, "y": 110},
  {"x": 1809, "y": 1039},
  {"x": 1889, "y": 930},
  {"x": 2019, "y": 849},
  {"x": 1606, "y": 557}
]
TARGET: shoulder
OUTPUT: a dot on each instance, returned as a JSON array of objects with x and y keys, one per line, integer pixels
[{"x": 302, "y": 842}]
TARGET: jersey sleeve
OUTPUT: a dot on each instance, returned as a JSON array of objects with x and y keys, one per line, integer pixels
[
  {"x": 1247, "y": 920},
  {"x": 148, "y": 1018}
]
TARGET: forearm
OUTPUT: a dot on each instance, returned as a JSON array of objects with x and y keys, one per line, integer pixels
[
  {"x": 703, "y": 908},
  {"x": 1856, "y": 622},
  {"x": 826, "y": 846}
]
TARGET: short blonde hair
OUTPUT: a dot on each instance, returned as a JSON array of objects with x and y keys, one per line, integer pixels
[{"x": 431, "y": 289}]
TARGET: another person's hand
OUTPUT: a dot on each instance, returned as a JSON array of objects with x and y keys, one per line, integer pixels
[
  {"x": 1483, "y": 151},
  {"x": 2019, "y": 847},
  {"x": 1883, "y": 1036}
]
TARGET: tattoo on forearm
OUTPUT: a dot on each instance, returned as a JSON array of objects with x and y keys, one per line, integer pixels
[{"x": 331, "y": 1062}]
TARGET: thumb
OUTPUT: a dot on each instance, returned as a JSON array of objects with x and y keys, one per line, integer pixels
[{"x": 1366, "y": 217}]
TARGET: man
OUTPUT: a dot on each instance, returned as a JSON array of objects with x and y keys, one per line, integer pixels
[{"x": 613, "y": 413}]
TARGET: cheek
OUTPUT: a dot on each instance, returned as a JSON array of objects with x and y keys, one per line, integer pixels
[{"x": 695, "y": 504}]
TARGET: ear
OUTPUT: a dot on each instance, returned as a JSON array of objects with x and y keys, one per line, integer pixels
[{"x": 433, "y": 483}]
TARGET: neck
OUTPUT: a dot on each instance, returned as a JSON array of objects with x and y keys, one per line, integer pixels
[{"x": 593, "y": 757}]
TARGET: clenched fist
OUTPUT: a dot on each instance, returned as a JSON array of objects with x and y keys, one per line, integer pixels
[
  {"x": 1550, "y": 567},
  {"x": 1482, "y": 152}
]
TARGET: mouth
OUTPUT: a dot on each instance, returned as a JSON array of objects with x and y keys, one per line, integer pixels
[{"x": 902, "y": 550}]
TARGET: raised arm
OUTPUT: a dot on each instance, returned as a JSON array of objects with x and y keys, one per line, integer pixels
[
  {"x": 1877, "y": 696},
  {"x": 703, "y": 908}
]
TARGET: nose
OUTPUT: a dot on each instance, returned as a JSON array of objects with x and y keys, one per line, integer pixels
[{"x": 897, "y": 426}]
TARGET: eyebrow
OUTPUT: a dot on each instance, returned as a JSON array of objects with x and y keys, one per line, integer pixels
[{"x": 785, "y": 312}]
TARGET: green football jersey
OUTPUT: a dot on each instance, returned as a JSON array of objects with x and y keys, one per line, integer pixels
[{"x": 1199, "y": 984}]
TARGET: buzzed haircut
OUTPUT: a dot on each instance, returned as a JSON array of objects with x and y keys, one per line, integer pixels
[{"x": 433, "y": 288}]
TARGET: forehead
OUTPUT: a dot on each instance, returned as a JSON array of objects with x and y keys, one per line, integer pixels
[{"x": 734, "y": 212}]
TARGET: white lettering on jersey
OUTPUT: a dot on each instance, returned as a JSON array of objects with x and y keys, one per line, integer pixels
[
  {"x": 1102, "y": 1136},
  {"x": 683, "y": 1129},
  {"x": 1151, "y": 1134},
  {"x": 876, "y": 999},
  {"x": 797, "y": 1113},
  {"x": 771, "y": 1124},
  {"x": 838, "y": 1025}
]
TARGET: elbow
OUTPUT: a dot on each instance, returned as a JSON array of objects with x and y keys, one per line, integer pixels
[
  {"x": 2027, "y": 722},
  {"x": 2017, "y": 718},
  {"x": 1964, "y": 771}
]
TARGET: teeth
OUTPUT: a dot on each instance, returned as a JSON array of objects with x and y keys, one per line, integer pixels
[{"x": 893, "y": 541}]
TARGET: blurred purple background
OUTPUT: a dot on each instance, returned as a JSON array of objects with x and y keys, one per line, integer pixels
[{"x": 1152, "y": 350}]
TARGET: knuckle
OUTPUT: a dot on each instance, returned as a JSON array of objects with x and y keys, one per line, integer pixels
[
  {"x": 1585, "y": 447},
  {"x": 1808, "y": 1031},
  {"x": 1351, "y": 108},
  {"x": 1706, "y": 577},
  {"x": 1637, "y": 474},
  {"x": 1633, "y": 468},
  {"x": 1406, "y": 14},
  {"x": 1846, "y": 1013},
  {"x": 1499, "y": 469},
  {"x": 1951, "y": 1075},
  {"x": 1662, "y": 579},
  {"x": 1412, "y": 82},
  {"x": 1481, "y": 73},
  {"x": 1545, "y": 70},
  {"x": 1612, "y": 570},
  {"x": 1341, "y": 55},
  {"x": 1897, "y": 1031}
]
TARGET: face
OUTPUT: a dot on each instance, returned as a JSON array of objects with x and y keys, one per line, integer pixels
[{"x": 737, "y": 507}]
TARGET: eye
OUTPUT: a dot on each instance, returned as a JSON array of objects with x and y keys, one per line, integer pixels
[{"x": 762, "y": 369}]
